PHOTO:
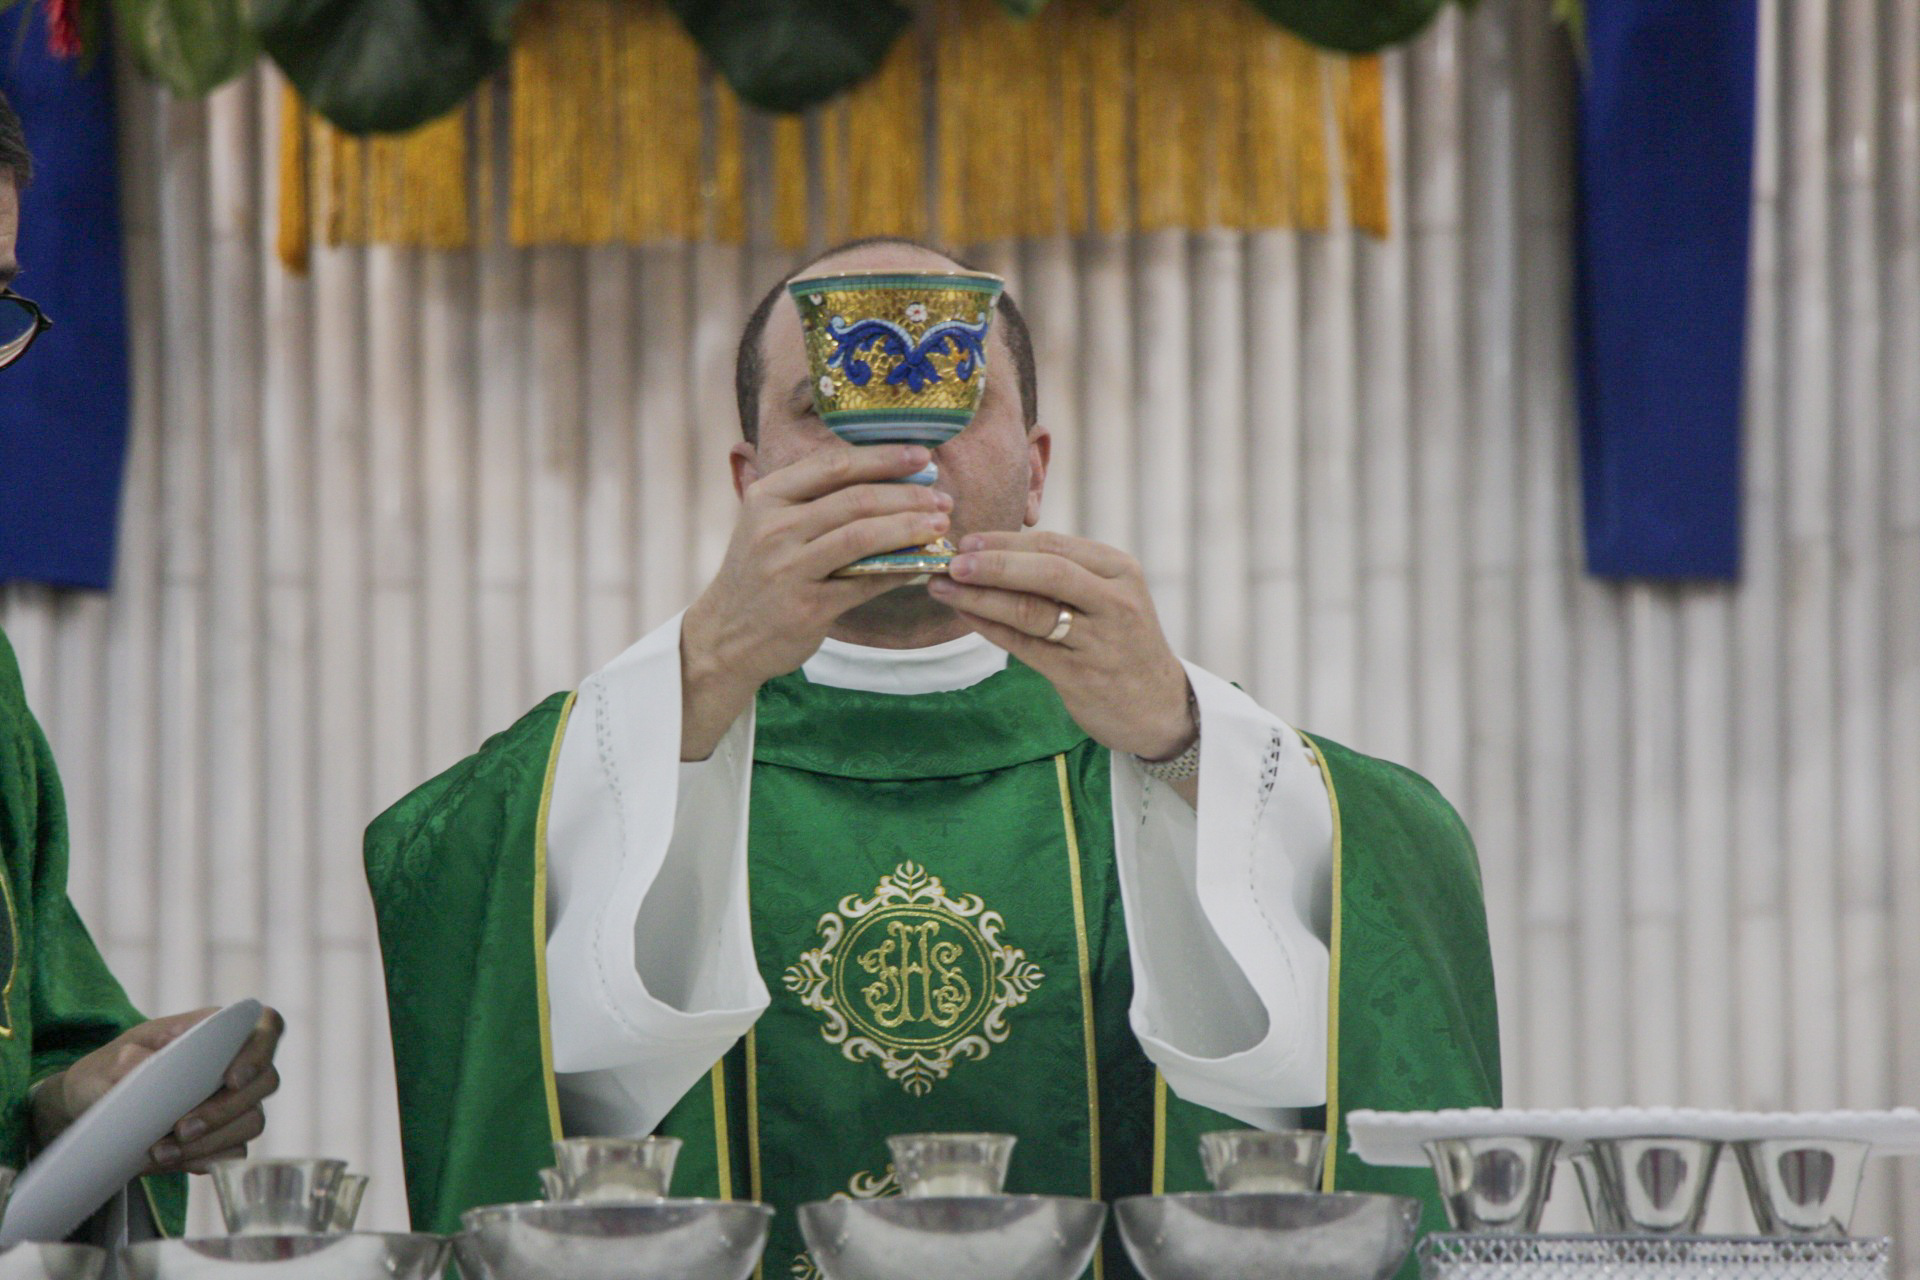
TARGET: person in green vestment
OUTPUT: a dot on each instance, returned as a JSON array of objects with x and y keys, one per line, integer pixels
[
  {"x": 823, "y": 860},
  {"x": 68, "y": 1033}
]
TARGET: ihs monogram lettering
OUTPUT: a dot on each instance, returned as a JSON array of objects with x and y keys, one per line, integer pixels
[
  {"x": 931, "y": 979},
  {"x": 909, "y": 966}
]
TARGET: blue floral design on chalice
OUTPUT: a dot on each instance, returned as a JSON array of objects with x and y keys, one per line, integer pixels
[{"x": 898, "y": 358}]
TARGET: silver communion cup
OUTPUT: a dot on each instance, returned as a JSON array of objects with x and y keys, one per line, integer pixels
[
  {"x": 951, "y": 1164},
  {"x": 552, "y": 1185},
  {"x": 1600, "y": 1210},
  {"x": 52, "y": 1261},
  {"x": 956, "y": 1237},
  {"x": 1494, "y": 1184},
  {"x": 1252, "y": 1160},
  {"x": 1658, "y": 1185},
  {"x": 1342, "y": 1235},
  {"x": 613, "y": 1169},
  {"x": 348, "y": 1192},
  {"x": 342, "y": 1256},
  {"x": 1802, "y": 1186},
  {"x": 277, "y": 1197}
]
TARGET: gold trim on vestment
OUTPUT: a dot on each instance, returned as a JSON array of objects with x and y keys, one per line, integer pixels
[
  {"x": 722, "y": 1154},
  {"x": 1333, "y": 977},
  {"x": 540, "y": 923},
  {"x": 753, "y": 1135},
  {"x": 153, "y": 1208},
  {"x": 1159, "y": 1133},
  {"x": 1086, "y": 992},
  {"x": 13, "y": 963}
]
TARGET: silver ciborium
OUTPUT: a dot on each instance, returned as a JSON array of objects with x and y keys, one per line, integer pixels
[
  {"x": 30, "y": 1261},
  {"x": 1802, "y": 1186},
  {"x": 1268, "y": 1235},
  {"x": 1657, "y": 1185},
  {"x": 1494, "y": 1184},
  {"x": 951, "y": 1220},
  {"x": 609, "y": 1240},
  {"x": 339, "y": 1256},
  {"x": 611, "y": 1169},
  {"x": 1255, "y": 1160},
  {"x": 277, "y": 1197}
]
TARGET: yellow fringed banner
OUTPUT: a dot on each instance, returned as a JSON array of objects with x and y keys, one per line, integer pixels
[
  {"x": 724, "y": 196},
  {"x": 295, "y": 238},
  {"x": 1091, "y": 117},
  {"x": 1364, "y": 141},
  {"x": 790, "y": 216},
  {"x": 886, "y": 181}
]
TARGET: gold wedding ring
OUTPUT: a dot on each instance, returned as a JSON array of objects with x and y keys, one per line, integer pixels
[{"x": 1059, "y": 633}]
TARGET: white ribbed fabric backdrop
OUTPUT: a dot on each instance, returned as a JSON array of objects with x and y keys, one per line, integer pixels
[{"x": 374, "y": 514}]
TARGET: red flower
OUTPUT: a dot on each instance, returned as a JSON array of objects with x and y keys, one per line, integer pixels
[{"x": 63, "y": 28}]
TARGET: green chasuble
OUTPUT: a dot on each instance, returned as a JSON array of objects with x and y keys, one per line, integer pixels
[
  {"x": 58, "y": 1002},
  {"x": 936, "y": 913}
]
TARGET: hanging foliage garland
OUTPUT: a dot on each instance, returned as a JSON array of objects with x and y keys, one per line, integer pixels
[
  {"x": 385, "y": 66},
  {"x": 787, "y": 55}
]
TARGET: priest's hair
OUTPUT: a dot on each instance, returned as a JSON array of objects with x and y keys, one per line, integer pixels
[
  {"x": 14, "y": 158},
  {"x": 750, "y": 364}
]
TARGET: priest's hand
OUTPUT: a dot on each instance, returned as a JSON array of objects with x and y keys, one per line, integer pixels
[
  {"x": 1114, "y": 668},
  {"x": 218, "y": 1128},
  {"x": 774, "y": 599}
]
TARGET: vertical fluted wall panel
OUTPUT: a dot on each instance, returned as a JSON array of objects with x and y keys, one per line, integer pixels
[{"x": 373, "y": 513}]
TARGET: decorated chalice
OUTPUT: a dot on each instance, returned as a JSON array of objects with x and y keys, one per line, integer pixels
[{"x": 898, "y": 357}]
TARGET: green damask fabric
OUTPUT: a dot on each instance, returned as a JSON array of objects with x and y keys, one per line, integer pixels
[
  {"x": 933, "y": 905},
  {"x": 883, "y": 827},
  {"x": 58, "y": 1001}
]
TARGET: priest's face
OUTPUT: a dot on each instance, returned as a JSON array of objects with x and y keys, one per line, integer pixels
[{"x": 994, "y": 470}]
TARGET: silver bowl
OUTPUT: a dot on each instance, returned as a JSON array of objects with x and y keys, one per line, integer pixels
[
  {"x": 52, "y": 1262},
  {"x": 618, "y": 1170},
  {"x": 1255, "y": 1160},
  {"x": 344, "y": 1208},
  {"x": 953, "y": 1237},
  {"x": 341, "y": 1256},
  {"x": 1802, "y": 1186},
  {"x": 273, "y": 1197},
  {"x": 951, "y": 1164},
  {"x": 1340, "y": 1235},
  {"x": 1494, "y": 1184},
  {"x": 658, "y": 1240},
  {"x": 1657, "y": 1185}
]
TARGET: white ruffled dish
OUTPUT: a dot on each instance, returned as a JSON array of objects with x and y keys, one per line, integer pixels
[{"x": 1394, "y": 1137}]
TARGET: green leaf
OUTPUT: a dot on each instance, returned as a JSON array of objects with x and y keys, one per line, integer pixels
[
  {"x": 1351, "y": 26},
  {"x": 191, "y": 46},
  {"x": 1574, "y": 14},
  {"x": 787, "y": 55},
  {"x": 1023, "y": 8},
  {"x": 385, "y": 65}
]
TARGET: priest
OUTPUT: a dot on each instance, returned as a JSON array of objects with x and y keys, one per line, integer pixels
[{"x": 822, "y": 860}]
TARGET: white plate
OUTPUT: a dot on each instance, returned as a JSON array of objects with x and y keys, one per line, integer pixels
[
  {"x": 107, "y": 1147},
  {"x": 1394, "y": 1137}
]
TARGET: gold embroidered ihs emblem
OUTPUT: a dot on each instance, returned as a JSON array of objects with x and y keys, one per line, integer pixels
[{"x": 913, "y": 978}]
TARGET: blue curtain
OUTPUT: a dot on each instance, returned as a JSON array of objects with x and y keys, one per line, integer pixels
[
  {"x": 63, "y": 408},
  {"x": 1665, "y": 165}
]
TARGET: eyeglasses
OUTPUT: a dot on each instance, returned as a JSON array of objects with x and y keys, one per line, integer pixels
[{"x": 21, "y": 321}]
